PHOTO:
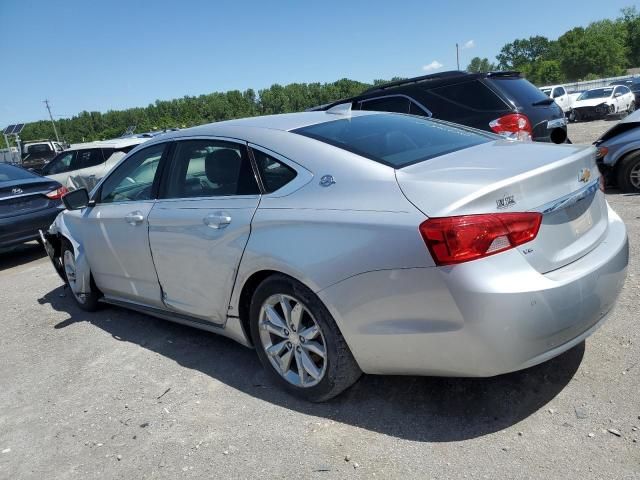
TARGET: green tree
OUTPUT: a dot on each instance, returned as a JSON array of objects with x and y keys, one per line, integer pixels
[
  {"x": 523, "y": 51},
  {"x": 599, "y": 49},
  {"x": 630, "y": 21},
  {"x": 478, "y": 64}
]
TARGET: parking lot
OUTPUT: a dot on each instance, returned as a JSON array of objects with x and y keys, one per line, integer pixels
[{"x": 118, "y": 394}]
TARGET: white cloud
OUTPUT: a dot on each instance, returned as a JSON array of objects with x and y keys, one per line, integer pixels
[
  {"x": 435, "y": 65},
  {"x": 469, "y": 44}
]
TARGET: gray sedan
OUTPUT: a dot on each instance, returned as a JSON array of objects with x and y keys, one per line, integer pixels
[{"x": 341, "y": 242}]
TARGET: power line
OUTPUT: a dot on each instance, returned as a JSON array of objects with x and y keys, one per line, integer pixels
[{"x": 46, "y": 102}]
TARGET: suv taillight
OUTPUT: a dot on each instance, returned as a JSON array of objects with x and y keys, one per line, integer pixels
[
  {"x": 57, "y": 193},
  {"x": 513, "y": 125},
  {"x": 460, "y": 239}
]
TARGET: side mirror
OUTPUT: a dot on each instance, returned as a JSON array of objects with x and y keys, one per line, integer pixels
[{"x": 76, "y": 199}]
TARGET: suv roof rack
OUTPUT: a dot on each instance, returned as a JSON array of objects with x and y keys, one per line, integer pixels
[{"x": 440, "y": 76}]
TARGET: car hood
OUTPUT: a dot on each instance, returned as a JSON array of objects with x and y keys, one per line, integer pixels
[
  {"x": 592, "y": 102},
  {"x": 627, "y": 123}
]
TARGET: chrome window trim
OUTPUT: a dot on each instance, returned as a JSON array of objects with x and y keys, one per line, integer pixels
[{"x": 411, "y": 100}]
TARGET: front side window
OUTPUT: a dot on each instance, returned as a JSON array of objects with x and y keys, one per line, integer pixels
[
  {"x": 395, "y": 140},
  {"x": 133, "y": 179},
  {"x": 558, "y": 92},
  {"x": 274, "y": 174},
  {"x": 210, "y": 168},
  {"x": 88, "y": 158},
  {"x": 61, "y": 164}
]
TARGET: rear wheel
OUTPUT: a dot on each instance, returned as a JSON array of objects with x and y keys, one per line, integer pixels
[
  {"x": 629, "y": 173},
  {"x": 298, "y": 342},
  {"x": 632, "y": 107},
  {"x": 86, "y": 301}
]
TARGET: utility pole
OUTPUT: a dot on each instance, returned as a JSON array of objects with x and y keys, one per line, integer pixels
[
  {"x": 457, "y": 56},
  {"x": 46, "y": 102}
]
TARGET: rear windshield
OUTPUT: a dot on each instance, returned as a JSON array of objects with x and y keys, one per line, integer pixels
[
  {"x": 9, "y": 173},
  {"x": 394, "y": 139},
  {"x": 519, "y": 90},
  {"x": 39, "y": 148}
]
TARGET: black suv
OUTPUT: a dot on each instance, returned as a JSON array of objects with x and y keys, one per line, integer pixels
[{"x": 499, "y": 102}]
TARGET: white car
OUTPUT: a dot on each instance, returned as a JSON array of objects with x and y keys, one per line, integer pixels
[
  {"x": 84, "y": 164},
  {"x": 601, "y": 102},
  {"x": 560, "y": 95}
]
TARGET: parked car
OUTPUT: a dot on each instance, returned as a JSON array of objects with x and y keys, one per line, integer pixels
[
  {"x": 560, "y": 95},
  {"x": 36, "y": 154},
  {"x": 618, "y": 155},
  {"x": 600, "y": 102},
  {"x": 84, "y": 164},
  {"x": 632, "y": 84},
  {"x": 28, "y": 203},
  {"x": 499, "y": 102},
  {"x": 344, "y": 242}
]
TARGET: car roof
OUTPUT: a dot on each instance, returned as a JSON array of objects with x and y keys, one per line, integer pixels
[
  {"x": 282, "y": 122},
  {"x": 113, "y": 143}
]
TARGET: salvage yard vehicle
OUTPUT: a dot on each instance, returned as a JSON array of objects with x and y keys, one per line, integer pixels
[
  {"x": 342, "y": 242},
  {"x": 36, "y": 154},
  {"x": 560, "y": 95},
  {"x": 28, "y": 203},
  {"x": 618, "y": 155},
  {"x": 84, "y": 164},
  {"x": 633, "y": 84},
  {"x": 498, "y": 102},
  {"x": 601, "y": 102}
]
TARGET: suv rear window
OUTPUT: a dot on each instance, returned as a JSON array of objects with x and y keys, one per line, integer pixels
[
  {"x": 519, "y": 90},
  {"x": 393, "y": 139}
]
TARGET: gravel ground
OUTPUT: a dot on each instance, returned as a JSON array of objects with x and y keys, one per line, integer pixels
[
  {"x": 588, "y": 132},
  {"x": 117, "y": 394}
]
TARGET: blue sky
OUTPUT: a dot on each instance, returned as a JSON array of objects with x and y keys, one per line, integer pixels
[{"x": 101, "y": 55}]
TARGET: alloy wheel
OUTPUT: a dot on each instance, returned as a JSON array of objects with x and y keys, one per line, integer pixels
[
  {"x": 634, "y": 176},
  {"x": 69, "y": 263},
  {"x": 292, "y": 340}
]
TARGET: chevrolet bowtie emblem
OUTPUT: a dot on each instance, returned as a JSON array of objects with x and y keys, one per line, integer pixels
[{"x": 585, "y": 175}]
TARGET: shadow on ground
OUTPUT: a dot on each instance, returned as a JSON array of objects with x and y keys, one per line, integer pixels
[
  {"x": 416, "y": 408},
  {"x": 20, "y": 254}
]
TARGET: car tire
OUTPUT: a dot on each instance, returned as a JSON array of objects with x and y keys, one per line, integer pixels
[
  {"x": 574, "y": 116},
  {"x": 628, "y": 173},
  {"x": 632, "y": 107},
  {"x": 284, "y": 354},
  {"x": 87, "y": 302}
]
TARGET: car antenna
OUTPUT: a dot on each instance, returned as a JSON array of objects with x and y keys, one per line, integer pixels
[{"x": 341, "y": 109}]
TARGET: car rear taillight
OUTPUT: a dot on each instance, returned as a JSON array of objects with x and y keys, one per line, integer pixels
[
  {"x": 460, "y": 239},
  {"x": 514, "y": 125},
  {"x": 57, "y": 193}
]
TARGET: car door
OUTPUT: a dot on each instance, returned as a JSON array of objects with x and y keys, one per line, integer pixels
[
  {"x": 58, "y": 169},
  {"x": 560, "y": 97},
  {"x": 87, "y": 164},
  {"x": 199, "y": 227},
  {"x": 115, "y": 230}
]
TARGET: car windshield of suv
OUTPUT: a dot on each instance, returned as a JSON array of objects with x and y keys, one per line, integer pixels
[
  {"x": 395, "y": 140},
  {"x": 9, "y": 173},
  {"x": 596, "y": 93}
]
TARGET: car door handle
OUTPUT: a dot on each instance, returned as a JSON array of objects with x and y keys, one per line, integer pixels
[
  {"x": 217, "y": 220},
  {"x": 134, "y": 218}
]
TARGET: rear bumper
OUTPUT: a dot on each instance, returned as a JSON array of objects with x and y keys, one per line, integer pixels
[
  {"x": 481, "y": 318},
  {"x": 23, "y": 228}
]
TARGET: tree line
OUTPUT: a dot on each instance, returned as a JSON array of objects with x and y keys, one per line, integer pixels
[{"x": 605, "y": 48}]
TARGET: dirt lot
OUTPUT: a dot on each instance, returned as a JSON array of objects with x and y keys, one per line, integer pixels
[
  {"x": 588, "y": 132},
  {"x": 120, "y": 395}
]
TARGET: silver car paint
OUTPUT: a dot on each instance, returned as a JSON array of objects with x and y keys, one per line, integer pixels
[
  {"x": 356, "y": 244},
  {"x": 621, "y": 144}
]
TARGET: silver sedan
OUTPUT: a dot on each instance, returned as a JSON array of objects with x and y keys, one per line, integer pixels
[{"x": 341, "y": 242}]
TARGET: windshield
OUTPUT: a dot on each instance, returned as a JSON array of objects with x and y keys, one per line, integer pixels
[
  {"x": 394, "y": 139},
  {"x": 596, "y": 93},
  {"x": 546, "y": 91},
  {"x": 9, "y": 173}
]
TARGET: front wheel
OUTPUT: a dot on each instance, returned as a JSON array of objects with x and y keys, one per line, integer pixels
[
  {"x": 629, "y": 173},
  {"x": 86, "y": 301},
  {"x": 632, "y": 107},
  {"x": 298, "y": 342}
]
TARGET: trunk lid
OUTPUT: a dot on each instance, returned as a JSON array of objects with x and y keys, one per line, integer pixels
[
  {"x": 560, "y": 181},
  {"x": 18, "y": 197}
]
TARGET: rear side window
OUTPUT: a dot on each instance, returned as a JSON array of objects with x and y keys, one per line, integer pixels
[
  {"x": 274, "y": 174},
  {"x": 395, "y": 104},
  {"x": 394, "y": 140},
  {"x": 473, "y": 95},
  {"x": 88, "y": 158},
  {"x": 210, "y": 168},
  {"x": 519, "y": 90}
]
